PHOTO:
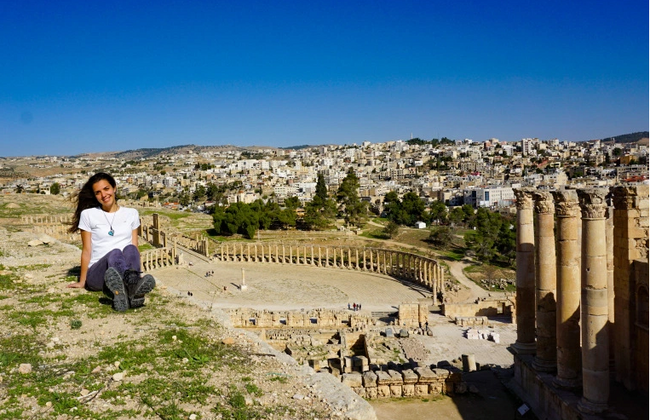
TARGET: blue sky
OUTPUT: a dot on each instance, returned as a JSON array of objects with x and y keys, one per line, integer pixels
[{"x": 93, "y": 76}]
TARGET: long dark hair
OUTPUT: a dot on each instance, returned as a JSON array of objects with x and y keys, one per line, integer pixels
[{"x": 85, "y": 198}]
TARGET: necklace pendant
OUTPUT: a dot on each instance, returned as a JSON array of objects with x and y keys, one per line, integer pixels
[{"x": 111, "y": 232}]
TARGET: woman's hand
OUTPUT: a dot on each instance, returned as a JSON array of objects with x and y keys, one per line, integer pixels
[{"x": 77, "y": 285}]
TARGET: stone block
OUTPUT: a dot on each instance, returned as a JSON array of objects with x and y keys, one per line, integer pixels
[
  {"x": 347, "y": 368},
  {"x": 408, "y": 390},
  {"x": 409, "y": 377},
  {"x": 442, "y": 373},
  {"x": 436, "y": 388},
  {"x": 421, "y": 390},
  {"x": 425, "y": 375},
  {"x": 353, "y": 380},
  {"x": 454, "y": 376},
  {"x": 371, "y": 393},
  {"x": 396, "y": 391},
  {"x": 369, "y": 379},
  {"x": 396, "y": 377},
  {"x": 358, "y": 362},
  {"x": 383, "y": 391},
  {"x": 383, "y": 378},
  {"x": 460, "y": 388}
]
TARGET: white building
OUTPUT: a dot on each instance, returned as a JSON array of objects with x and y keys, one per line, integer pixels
[{"x": 490, "y": 197}]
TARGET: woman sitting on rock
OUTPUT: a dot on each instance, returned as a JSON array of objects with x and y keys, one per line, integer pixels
[{"x": 110, "y": 260}]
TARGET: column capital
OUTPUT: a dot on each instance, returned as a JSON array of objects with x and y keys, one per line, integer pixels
[
  {"x": 625, "y": 197},
  {"x": 524, "y": 198},
  {"x": 566, "y": 203},
  {"x": 593, "y": 203},
  {"x": 543, "y": 202}
]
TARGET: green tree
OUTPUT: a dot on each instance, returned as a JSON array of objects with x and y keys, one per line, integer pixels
[
  {"x": 55, "y": 188},
  {"x": 238, "y": 218},
  {"x": 493, "y": 238},
  {"x": 391, "y": 230},
  {"x": 321, "y": 210},
  {"x": 438, "y": 212},
  {"x": 184, "y": 199},
  {"x": 200, "y": 193},
  {"x": 321, "y": 188},
  {"x": 350, "y": 205},
  {"x": 292, "y": 202},
  {"x": 456, "y": 216},
  {"x": 440, "y": 236}
]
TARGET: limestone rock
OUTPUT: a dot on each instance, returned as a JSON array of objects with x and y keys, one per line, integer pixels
[
  {"x": 25, "y": 368},
  {"x": 46, "y": 239}
]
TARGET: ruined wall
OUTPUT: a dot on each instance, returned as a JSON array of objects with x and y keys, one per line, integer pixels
[
  {"x": 487, "y": 307},
  {"x": 315, "y": 318},
  {"x": 418, "y": 382}
]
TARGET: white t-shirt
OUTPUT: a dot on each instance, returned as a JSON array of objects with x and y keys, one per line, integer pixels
[{"x": 98, "y": 223}]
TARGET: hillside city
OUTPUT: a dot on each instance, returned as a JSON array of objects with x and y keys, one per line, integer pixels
[{"x": 461, "y": 172}]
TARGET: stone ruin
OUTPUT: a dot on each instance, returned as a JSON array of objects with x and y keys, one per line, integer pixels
[
  {"x": 500, "y": 283},
  {"x": 365, "y": 352}
]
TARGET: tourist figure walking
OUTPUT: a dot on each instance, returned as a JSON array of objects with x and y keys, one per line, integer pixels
[{"x": 110, "y": 260}]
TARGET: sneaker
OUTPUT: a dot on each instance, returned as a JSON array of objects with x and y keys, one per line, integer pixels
[
  {"x": 115, "y": 286},
  {"x": 140, "y": 288}
]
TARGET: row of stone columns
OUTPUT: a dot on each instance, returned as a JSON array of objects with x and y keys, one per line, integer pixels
[
  {"x": 578, "y": 277},
  {"x": 400, "y": 264},
  {"x": 46, "y": 220}
]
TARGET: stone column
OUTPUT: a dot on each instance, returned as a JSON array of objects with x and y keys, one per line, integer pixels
[
  {"x": 156, "y": 230},
  {"x": 595, "y": 340},
  {"x": 568, "y": 290},
  {"x": 610, "y": 283},
  {"x": 630, "y": 243},
  {"x": 545, "y": 269},
  {"x": 525, "y": 299},
  {"x": 432, "y": 283}
]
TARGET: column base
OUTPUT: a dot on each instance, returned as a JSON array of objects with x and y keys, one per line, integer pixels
[
  {"x": 525, "y": 348},
  {"x": 567, "y": 384},
  {"x": 589, "y": 407},
  {"x": 541, "y": 365}
]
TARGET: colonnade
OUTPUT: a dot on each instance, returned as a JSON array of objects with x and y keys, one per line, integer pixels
[
  {"x": 566, "y": 264},
  {"x": 46, "y": 219},
  {"x": 412, "y": 267}
]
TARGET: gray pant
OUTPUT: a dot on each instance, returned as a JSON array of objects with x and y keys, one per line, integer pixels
[{"x": 127, "y": 259}]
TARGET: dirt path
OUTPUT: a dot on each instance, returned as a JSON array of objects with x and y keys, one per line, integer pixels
[{"x": 456, "y": 269}]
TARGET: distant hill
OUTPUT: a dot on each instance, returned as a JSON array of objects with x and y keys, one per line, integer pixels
[
  {"x": 147, "y": 153},
  {"x": 302, "y": 146},
  {"x": 628, "y": 138}
]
